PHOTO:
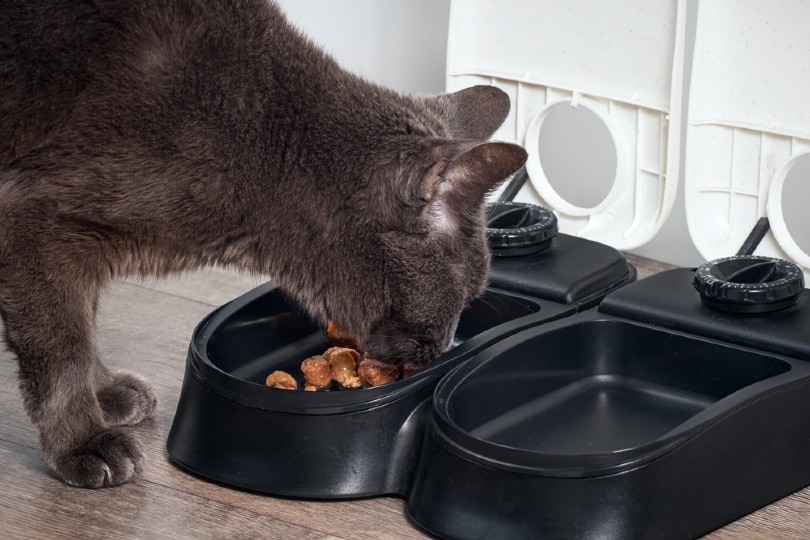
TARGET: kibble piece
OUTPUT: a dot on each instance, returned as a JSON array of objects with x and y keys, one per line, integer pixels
[
  {"x": 374, "y": 372},
  {"x": 343, "y": 362},
  {"x": 282, "y": 380},
  {"x": 339, "y": 338},
  {"x": 317, "y": 371},
  {"x": 409, "y": 368}
]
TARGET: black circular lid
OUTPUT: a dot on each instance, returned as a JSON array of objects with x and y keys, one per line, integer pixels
[
  {"x": 749, "y": 283},
  {"x": 519, "y": 228}
]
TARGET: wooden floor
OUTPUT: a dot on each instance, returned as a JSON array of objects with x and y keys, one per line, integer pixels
[{"x": 145, "y": 327}]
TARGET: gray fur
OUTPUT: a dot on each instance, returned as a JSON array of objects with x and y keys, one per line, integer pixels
[{"x": 143, "y": 137}]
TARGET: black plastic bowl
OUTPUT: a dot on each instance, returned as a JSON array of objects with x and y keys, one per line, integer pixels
[
  {"x": 231, "y": 428},
  {"x": 593, "y": 397},
  {"x": 603, "y": 425}
]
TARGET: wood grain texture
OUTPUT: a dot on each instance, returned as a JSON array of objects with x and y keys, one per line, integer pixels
[{"x": 145, "y": 327}]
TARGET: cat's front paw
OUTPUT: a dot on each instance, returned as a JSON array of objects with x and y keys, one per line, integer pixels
[
  {"x": 110, "y": 458},
  {"x": 126, "y": 400}
]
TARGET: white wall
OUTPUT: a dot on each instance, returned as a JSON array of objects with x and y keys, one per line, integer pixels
[{"x": 398, "y": 43}]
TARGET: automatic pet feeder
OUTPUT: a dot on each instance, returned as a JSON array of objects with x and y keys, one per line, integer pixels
[
  {"x": 677, "y": 405},
  {"x": 680, "y": 403}
]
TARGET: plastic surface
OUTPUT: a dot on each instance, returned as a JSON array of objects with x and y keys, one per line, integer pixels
[
  {"x": 623, "y": 61},
  {"x": 517, "y": 229},
  {"x": 644, "y": 418},
  {"x": 624, "y": 395},
  {"x": 749, "y": 284},
  {"x": 745, "y": 461},
  {"x": 344, "y": 443},
  {"x": 748, "y": 124},
  {"x": 571, "y": 271},
  {"x": 668, "y": 299}
]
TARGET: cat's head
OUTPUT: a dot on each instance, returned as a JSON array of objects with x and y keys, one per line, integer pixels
[{"x": 431, "y": 238}]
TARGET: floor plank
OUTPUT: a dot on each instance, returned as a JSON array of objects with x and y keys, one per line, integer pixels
[
  {"x": 145, "y": 326},
  {"x": 45, "y": 508},
  {"x": 213, "y": 286},
  {"x": 146, "y": 329}
]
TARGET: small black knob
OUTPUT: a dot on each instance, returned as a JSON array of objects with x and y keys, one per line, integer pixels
[
  {"x": 749, "y": 284},
  {"x": 516, "y": 229}
]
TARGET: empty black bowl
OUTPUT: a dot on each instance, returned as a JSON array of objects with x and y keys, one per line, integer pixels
[{"x": 611, "y": 423}]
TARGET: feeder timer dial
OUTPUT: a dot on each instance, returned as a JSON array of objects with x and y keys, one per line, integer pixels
[
  {"x": 749, "y": 284},
  {"x": 516, "y": 229}
]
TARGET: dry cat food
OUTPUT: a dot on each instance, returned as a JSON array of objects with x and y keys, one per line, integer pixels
[
  {"x": 317, "y": 373},
  {"x": 343, "y": 362},
  {"x": 341, "y": 365},
  {"x": 338, "y": 364},
  {"x": 282, "y": 380},
  {"x": 374, "y": 373}
]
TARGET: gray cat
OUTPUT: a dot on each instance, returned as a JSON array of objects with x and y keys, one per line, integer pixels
[{"x": 142, "y": 137}]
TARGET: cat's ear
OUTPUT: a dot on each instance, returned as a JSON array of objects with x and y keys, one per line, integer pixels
[
  {"x": 453, "y": 186},
  {"x": 473, "y": 113}
]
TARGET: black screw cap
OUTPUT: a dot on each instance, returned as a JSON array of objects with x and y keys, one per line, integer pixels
[
  {"x": 749, "y": 284},
  {"x": 516, "y": 229}
]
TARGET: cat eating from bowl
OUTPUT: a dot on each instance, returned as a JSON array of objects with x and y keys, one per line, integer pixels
[{"x": 146, "y": 138}]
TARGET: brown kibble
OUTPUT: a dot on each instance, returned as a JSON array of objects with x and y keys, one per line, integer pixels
[
  {"x": 343, "y": 362},
  {"x": 342, "y": 365},
  {"x": 351, "y": 382},
  {"x": 374, "y": 372},
  {"x": 339, "y": 338},
  {"x": 281, "y": 380},
  {"x": 409, "y": 368},
  {"x": 317, "y": 371}
]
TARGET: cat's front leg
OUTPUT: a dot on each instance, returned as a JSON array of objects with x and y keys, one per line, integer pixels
[
  {"x": 49, "y": 322},
  {"x": 126, "y": 399}
]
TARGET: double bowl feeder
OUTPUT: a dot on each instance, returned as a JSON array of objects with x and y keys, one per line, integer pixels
[{"x": 574, "y": 401}]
